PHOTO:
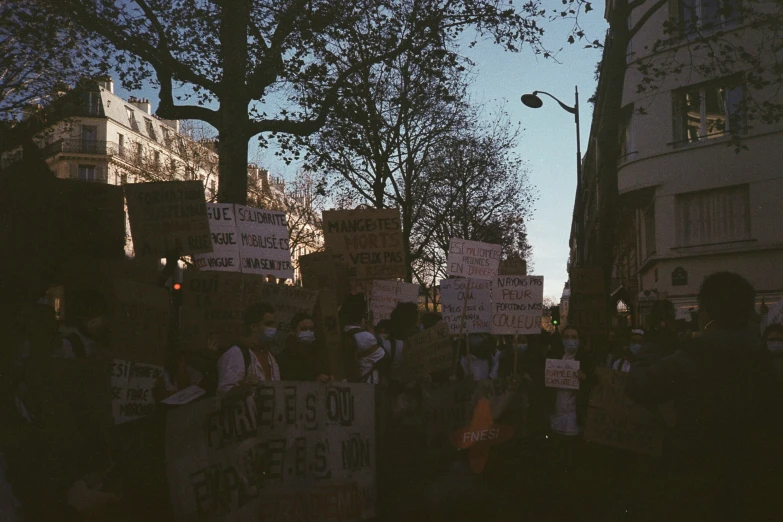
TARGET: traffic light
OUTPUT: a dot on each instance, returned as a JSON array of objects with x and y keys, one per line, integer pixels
[
  {"x": 555, "y": 312},
  {"x": 176, "y": 294}
]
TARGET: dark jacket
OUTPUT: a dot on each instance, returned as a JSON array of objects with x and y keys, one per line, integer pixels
[
  {"x": 300, "y": 362},
  {"x": 714, "y": 382}
]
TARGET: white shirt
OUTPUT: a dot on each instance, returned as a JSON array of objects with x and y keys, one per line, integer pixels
[
  {"x": 397, "y": 361},
  {"x": 231, "y": 368},
  {"x": 563, "y": 421},
  {"x": 367, "y": 344},
  {"x": 624, "y": 367},
  {"x": 482, "y": 370}
]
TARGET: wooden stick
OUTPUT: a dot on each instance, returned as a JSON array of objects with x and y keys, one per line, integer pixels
[
  {"x": 516, "y": 353},
  {"x": 462, "y": 329}
]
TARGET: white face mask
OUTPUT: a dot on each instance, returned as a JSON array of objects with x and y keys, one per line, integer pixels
[
  {"x": 306, "y": 336},
  {"x": 775, "y": 347},
  {"x": 571, "y": 345},
  {"x": 270, "y": 332}
]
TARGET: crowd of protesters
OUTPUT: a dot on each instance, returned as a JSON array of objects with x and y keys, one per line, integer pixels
[{"x": 724, "y": 380}]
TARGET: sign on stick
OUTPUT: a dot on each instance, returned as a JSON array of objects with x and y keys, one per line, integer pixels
[
  {"x": 473, "y": 259},
  {"x": 131, "y": 390},
  {"x": 561, "y": 373},
  {"x": 517, "y": 305},
  {"x": 478, "y": 306},
  {"x": 427, "y": 352}
]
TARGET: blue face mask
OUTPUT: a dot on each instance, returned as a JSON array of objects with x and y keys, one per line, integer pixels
[
  {"x": 635, "y": 349},
  {"x": 571, "y": 345}
]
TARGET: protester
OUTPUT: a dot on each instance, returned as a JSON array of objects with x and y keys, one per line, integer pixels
[
  {"x": 301, "y": 360},
  {"x": 251, "y": 360},
  {"x": 713, "y": 383},
  {"x": 430, "y": 319},
  {"x": 569, "y": 406},
  {"x": 631, "y": 349},
  {"x": 483, "y": 361},
  {"x": 361, "y": 353},
  {"x": 663, "y": 332},
  {"x": 90, "y": 334}
]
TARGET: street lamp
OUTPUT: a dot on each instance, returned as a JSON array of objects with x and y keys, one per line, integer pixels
[{"x": 534, "y": 102}]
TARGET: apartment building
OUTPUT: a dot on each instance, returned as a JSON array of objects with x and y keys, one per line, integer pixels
[{"x": 679, "y": 199}]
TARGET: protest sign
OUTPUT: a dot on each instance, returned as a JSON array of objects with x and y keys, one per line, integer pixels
[
  {"x": 587, "y": 307},
  {"x": 517, "y": 305},
  {"x": 189, "y": 394},
  {"x": 248, "y": 240},
  {"x": 139, "y": 322},
  {"x": 427, "y": 352},
  {"x": 131, "y": 390},
  {"x": 615, "y": 420},
  {"x": 168, "y": 217},
  {"x": 473, "y": 259},
  {"x": 386, "y": 295},
  {"x": 478, "y": 306},
  {"x": 560, "y": 373},
  {"x": 369, "y": 240},
  {"x": 285, "y": 451},
  {"x": 213, "y": 304},
  {"x": 407, "y": 292},
  {"x": 321, "y": 270}
]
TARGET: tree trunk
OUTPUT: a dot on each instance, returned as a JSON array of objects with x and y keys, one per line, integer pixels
[{"x": 232, "y": 149}]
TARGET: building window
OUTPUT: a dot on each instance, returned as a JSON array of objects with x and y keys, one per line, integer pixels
[
  {"x": 91, "y": 103},
  {"x": 157, "y": 159},
  {"x": 213, "y": 188},
  {"x": 649, "y": 230},
  {"x": 132, "y": 123},
  {"x": 87, "y": 172},
  {"x": 627, "y": 134},
  {"x": 706, "y": 112},
  {"x": 150, "y": 129},
  {"x": 701, "y": 15},
  {"x": 714, "y": 216},
  {"x": 139, "y": 152},
  {"x": 121, "y": 142}
]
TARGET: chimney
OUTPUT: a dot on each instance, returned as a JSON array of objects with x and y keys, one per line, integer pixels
[
  {"x": 107, "y": 83},
  {"x": 141, "y": 103},
  {"x": 174, "y": 124}
]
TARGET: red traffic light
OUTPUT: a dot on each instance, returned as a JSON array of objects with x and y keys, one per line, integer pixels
[{"x": 177, "y": 286}]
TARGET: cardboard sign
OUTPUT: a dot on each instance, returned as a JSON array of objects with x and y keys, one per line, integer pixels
[
  {"x": 473, "y": 259},
  {"x": 168, "y": 217},
  {"x": 189, "y": 394},
  {"x": 248, "y": 240},
  {"x": 513, "y": 266},
  {"x": 517, "y": 305},
  {"x": 615, "y": 420},
  {"x": 131, "y": 390},
  {"x": 386, "y": 295},
  {"x": 320, "y": 270},
  {"x": 370, "y": 241},
  {"x": 560, "y": 373},
  {"x": 139, "y": 322},
  {"x": 587, "y": 307},
  {"x": 286, "y": 451},
  {"x": 213, "y": 304},
  {"x": 427, "y": 352},
  {"x": 478, "y": 312}
]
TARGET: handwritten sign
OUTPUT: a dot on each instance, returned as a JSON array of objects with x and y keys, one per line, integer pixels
[
  {"x": 320, "y": 270},
  {"x": 560, "y": 373},
  {"x": 473, "y": 259},
  {"x": 427, "y": 352},
  {"x": 168, "y": 217},
  {"x": 285, "y": 451},
  {"x": 248, "y": 240},
  {"x": 189, "y": 394},
  {"x": 370, "y": 241},
  {"x": 386, "y": 295},
  {"x": 478, "y": 307},
  {"x": 139, "y": 322},
  {"x": 131, "y": 390},
  {"x": 513, "y": 266},
  {"x": 517, "y": 305},
  {"x": 615, "y": 420},
  {"x": 213, "y": 304}
]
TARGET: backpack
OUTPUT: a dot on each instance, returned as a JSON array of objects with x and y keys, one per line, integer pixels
[
  {"x": 76, "y": 344},
  {"x": 210, "y": 379}
]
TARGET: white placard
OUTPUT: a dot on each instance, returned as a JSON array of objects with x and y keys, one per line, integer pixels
[
  {"x": 517, "y": 305},
  {"x": 132, "y": 385},
  {"x": 189, "y": 394},
  {"x": 407, "y": 292},
  {"x": 478, "y": 313},
  {"x": 561, "y": 373},
  {"x": 473, "y": 259},
  {"x": 383, "y": 299},
  {"x": 225, "y": 240}
]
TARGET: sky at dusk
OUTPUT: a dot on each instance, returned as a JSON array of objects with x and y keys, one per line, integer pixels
[{"x": 548, "y": 140}]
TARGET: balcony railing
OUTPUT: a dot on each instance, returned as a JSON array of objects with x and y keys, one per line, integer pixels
[{"x": 103, "y": 148}]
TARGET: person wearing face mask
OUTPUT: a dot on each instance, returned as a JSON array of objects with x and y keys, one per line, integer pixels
[
  {"x": 568, "y": 407},
  {"x": 250, "y": 360},
  {"x": 631, "y": 350},
  {"x": 301, "y": 359},
  {"x": 484, "y": 359}
]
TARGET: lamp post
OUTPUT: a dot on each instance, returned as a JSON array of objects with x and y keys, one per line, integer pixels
[{"x": 534, "y": 102}]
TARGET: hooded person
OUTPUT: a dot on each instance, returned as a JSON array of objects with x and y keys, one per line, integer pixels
[
  {"x": 250, "y": 360},
  {"x": 714, "y": 381}
]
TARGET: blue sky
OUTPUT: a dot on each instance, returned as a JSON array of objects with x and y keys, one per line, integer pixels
[{"x": 548, "y": 142}]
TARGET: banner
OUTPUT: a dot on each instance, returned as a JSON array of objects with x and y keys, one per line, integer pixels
[
  {"x": 213, "y": 304},
  {"x": 561, "y": 373},
  {"x": 168, "y": 217},
  {"x": 427, "y": 352},
  {"x": 517, "y": 305},
  {"x": 473, "y": 259},
  {"x": 370, "y": 241},
  {"x": 478, "y": 307},
  {"x": 386, "y": 295},
  {"x": 131, "y": 390},
  {"x": 139, "y": 322},
  {"x": 248, "y": 240},
  {"x": 615, "y": 420},
  {"x": 285, "y": 451}
]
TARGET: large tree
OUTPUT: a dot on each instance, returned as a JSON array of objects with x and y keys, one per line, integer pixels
[{"x": 272, "y": 66}]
